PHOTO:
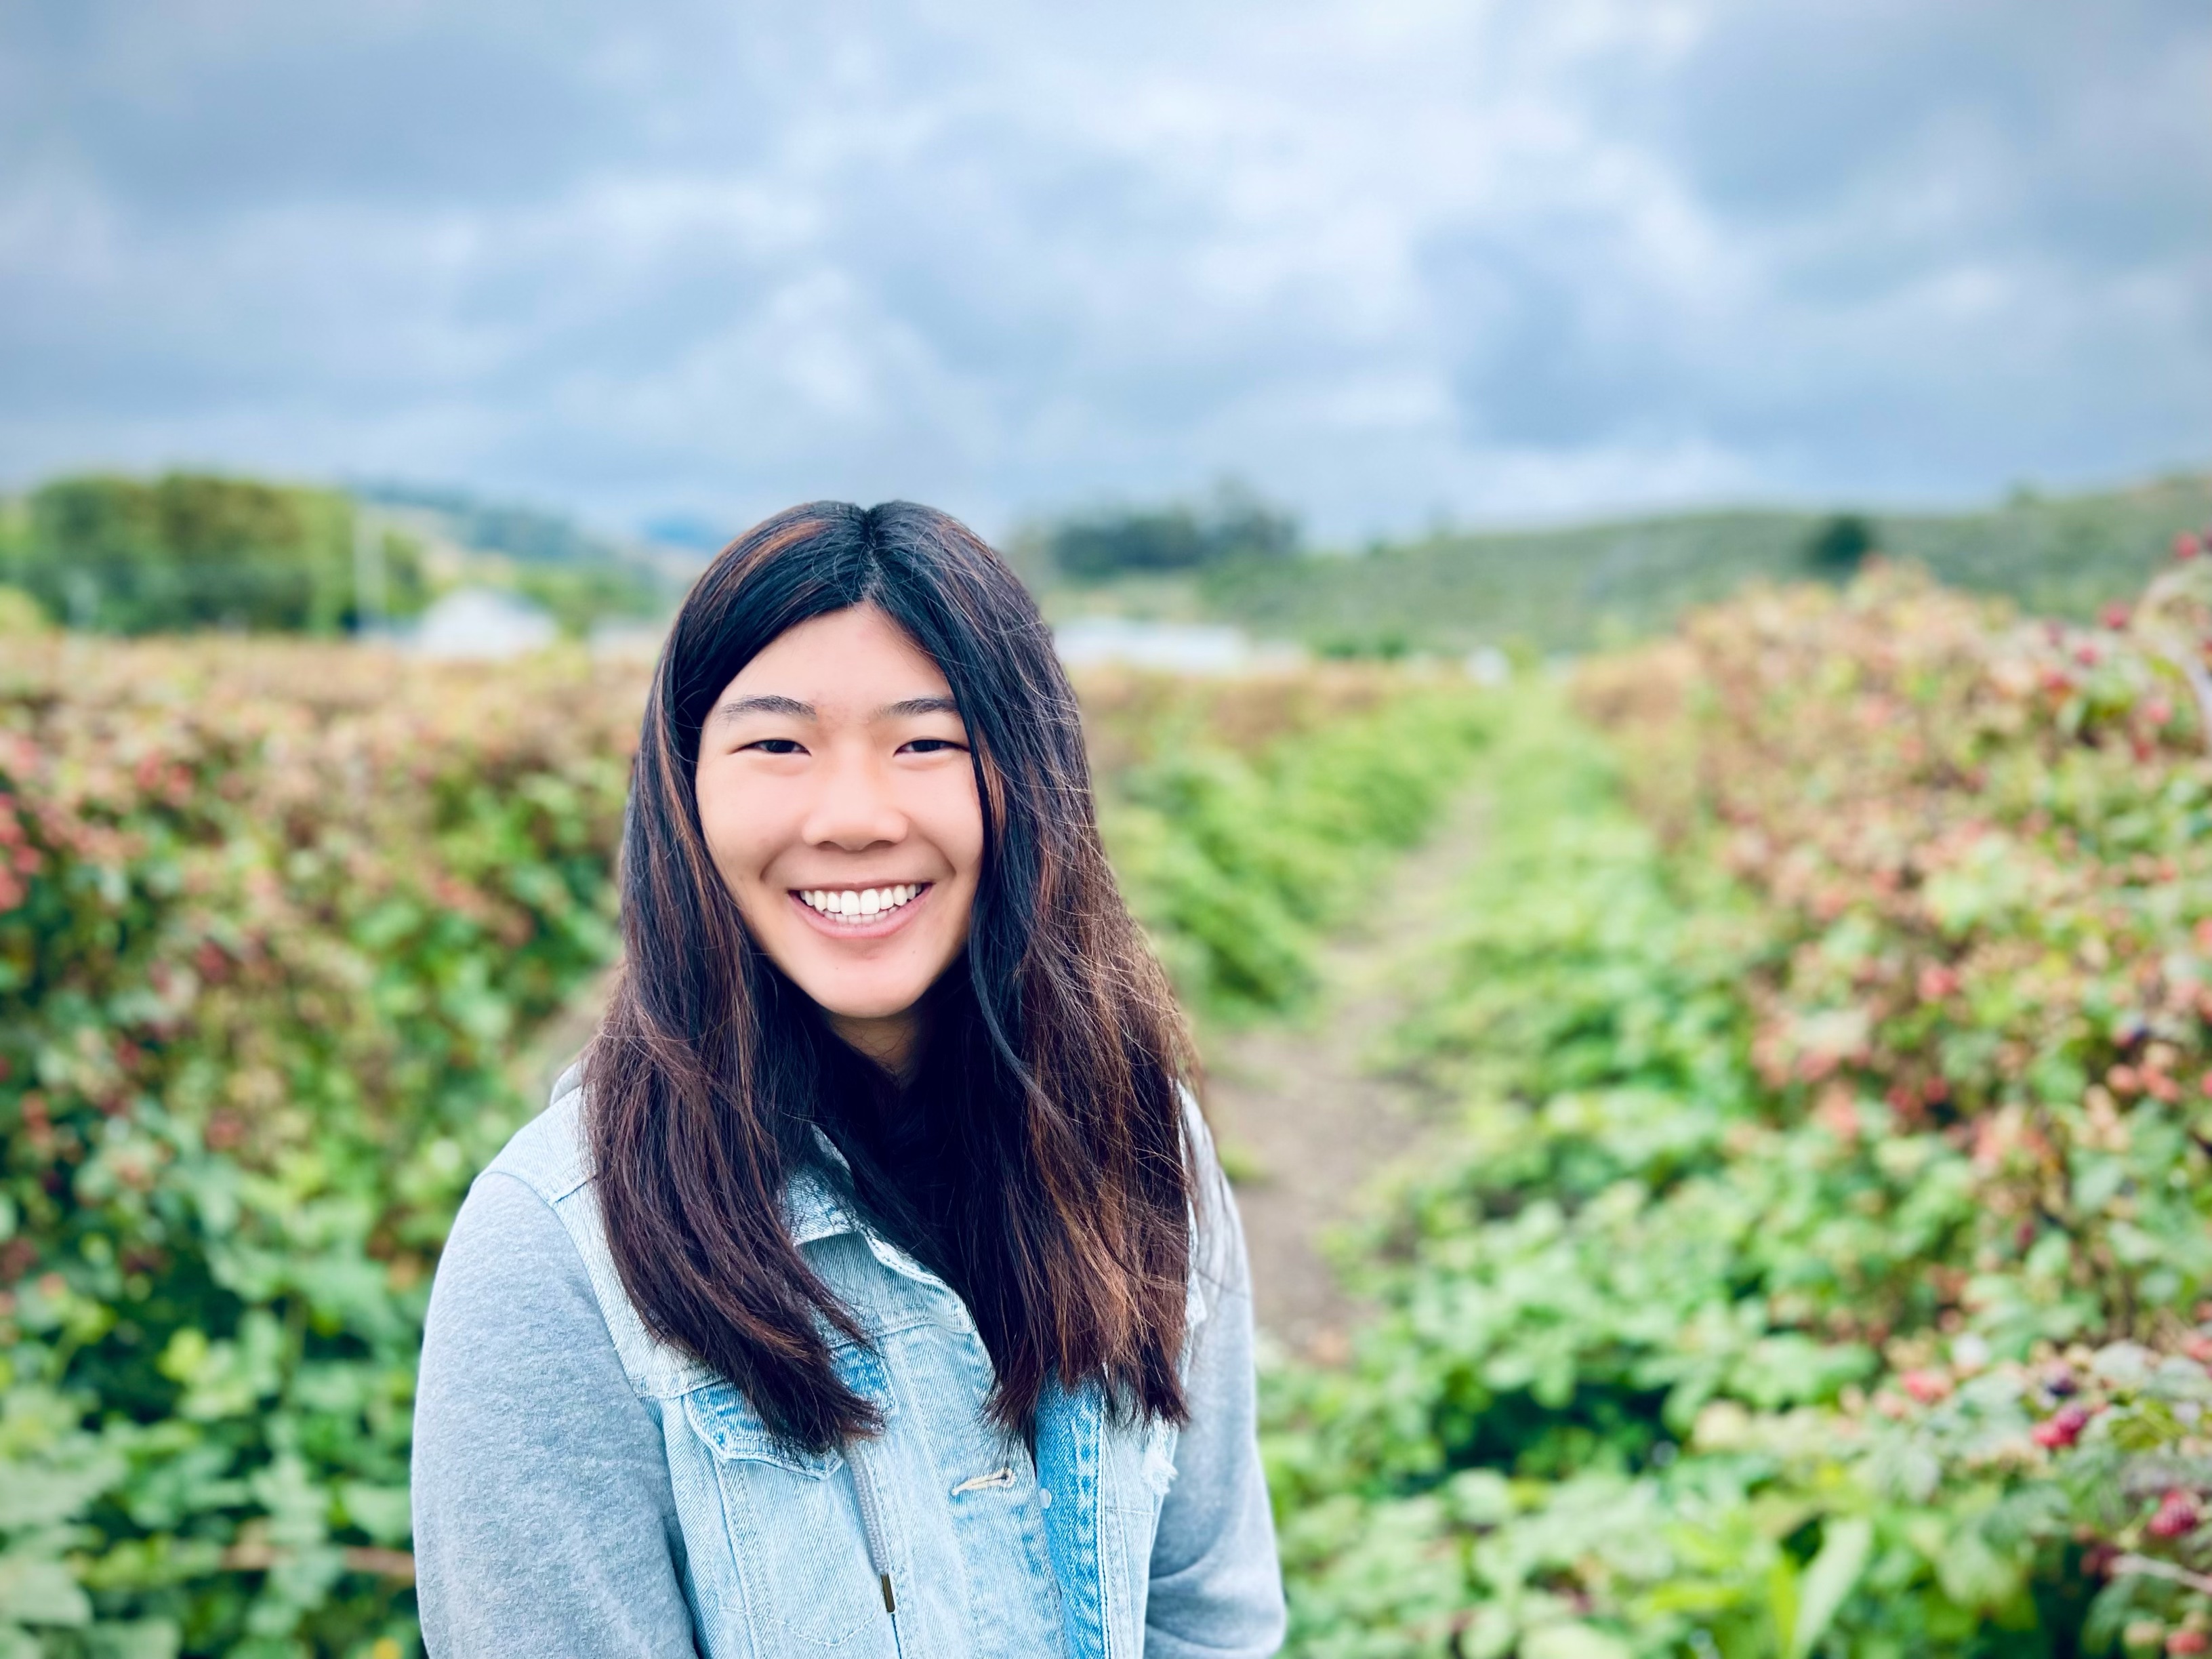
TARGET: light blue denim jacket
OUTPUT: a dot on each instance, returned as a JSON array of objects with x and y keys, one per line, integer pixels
[{"x": 937, "y": 1537}]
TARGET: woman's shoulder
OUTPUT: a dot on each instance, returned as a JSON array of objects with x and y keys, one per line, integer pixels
[
  {"x": 511, "y": 1262},
  {"x": 508, "y": 1265},
  {"x": 530, "y": 1228},
  {"x": 1217, "y": 1255},
  {"x": 551, "y": 1154}
]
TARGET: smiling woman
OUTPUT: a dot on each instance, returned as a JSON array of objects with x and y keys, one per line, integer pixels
[
  {"x": 873, "y": 1282},
  {"x": 837, "y": 794}
]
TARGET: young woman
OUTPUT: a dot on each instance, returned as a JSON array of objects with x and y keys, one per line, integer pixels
[{"x": 871, "y": 1284}]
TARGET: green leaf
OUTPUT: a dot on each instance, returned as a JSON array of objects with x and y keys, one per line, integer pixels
[
  {"x": 1846, "y": 1544},
  {"x": 1576, "y": 1641},
  {"x": 40, "y": 1592},
  {"x": 142, "y": 1639}
]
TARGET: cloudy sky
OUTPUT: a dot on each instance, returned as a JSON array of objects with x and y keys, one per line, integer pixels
[{"x": 1385, "y": 259}]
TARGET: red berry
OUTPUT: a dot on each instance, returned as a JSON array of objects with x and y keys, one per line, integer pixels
[
  {"x": 2177, "y": 1516},
  {"x": 1926, "y": 1386},
  {"x": 2061, "y": 1428},
  {"x": 2189, "y": 1641}
]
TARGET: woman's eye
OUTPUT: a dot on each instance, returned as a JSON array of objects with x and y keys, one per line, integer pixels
[
  {"x": 926, "y": 745},
  {"x": 776, "y": 746}
]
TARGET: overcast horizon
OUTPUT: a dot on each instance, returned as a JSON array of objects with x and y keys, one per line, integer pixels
[{"x": 1388, "y": 264}]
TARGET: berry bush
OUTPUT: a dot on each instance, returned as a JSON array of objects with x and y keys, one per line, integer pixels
[{"x": 1818, "y": 1263}]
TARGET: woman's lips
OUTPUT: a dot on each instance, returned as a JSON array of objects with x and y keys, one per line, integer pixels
[{"x": 886, "y": 921}]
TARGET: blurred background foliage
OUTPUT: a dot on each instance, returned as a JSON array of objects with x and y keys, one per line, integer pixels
[
  {"x": 1810, "y": 1256},
  {"x": 122, "y": 556},
  {"x": 1819, "y": 1261},
  {"x": 185, "y": 550},
  {"x": 278, "y": 922},
  {"x": 1578, "y": 587},
  {"x": 1232, "y": 529}
]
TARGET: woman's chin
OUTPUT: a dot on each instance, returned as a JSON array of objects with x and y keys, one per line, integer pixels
[
  {"x": 888, "y": 1011},
  {"x": 888, "y": 1000},
  {"x": 879, "y": 979}
]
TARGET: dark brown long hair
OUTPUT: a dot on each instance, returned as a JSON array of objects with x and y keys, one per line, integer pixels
[{"x": 1055, "y": 1053}]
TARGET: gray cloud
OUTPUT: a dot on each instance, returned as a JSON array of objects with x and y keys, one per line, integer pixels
[{"x": 1379, "y": 258}]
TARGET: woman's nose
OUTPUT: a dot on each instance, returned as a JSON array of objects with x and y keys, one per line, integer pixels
[{"x": 855, "y": 808}]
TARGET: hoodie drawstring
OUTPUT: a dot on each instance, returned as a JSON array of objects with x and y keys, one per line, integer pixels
[{"x": 871, "y": 1525}]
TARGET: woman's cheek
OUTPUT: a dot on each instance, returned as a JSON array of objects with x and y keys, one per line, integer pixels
[
  {"x": 958, "y": 819},
  {"x": 740, "y": 835}
]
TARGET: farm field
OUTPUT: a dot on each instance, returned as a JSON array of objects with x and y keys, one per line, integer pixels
[
  {"x": 1806, "y": 1256},
  {"x": 1815, "y": 1262},
  {"x": 278, "y": 924}
]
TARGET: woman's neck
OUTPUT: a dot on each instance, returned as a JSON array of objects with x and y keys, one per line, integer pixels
[{"x": 892, "y": 1041}]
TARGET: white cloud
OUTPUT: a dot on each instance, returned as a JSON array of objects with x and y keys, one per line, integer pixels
[{"x": 1381, "y": 257}]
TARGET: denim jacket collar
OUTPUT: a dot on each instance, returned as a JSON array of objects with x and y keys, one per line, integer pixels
[{"x": 813, "y": 1210}]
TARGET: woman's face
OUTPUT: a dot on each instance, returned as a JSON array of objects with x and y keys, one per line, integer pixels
[{"x": 839, "y": 803}]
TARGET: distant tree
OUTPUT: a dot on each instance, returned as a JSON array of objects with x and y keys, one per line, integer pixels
[
  {"x": 189, "y": 550},
  {"x": 1234, "y": 527},
  {"x": 20, "y": 613},
  {"x": 1839, "y": 547},
  {"x": 579, "y": 595},
  {"x": 1391, "y": 645}
]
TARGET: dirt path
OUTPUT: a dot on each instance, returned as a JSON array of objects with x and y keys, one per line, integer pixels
[{"x": 1303, "y": 1123}]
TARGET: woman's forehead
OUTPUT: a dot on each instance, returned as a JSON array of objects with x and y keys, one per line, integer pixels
[{"x": 855, "y": 663}]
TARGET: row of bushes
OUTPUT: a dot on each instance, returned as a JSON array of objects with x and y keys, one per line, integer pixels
[
  {"x": 278, "y": 922},
  {"x": 1820, "y": 1265},
  {"x": 1238, "y": 860},
  {"x": 274, "y": 920}
]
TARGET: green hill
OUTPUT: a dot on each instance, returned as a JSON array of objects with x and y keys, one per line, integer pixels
[{"x": 1572, "y": 588}]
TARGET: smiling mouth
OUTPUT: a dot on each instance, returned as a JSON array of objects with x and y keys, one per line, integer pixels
[{"x": 857, "y": 906}]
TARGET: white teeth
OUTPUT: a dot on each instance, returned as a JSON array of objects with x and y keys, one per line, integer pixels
[{"x": 860, "y": 903}]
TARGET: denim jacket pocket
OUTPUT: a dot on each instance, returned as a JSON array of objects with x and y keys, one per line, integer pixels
[{"x": 798, "y": 1547}]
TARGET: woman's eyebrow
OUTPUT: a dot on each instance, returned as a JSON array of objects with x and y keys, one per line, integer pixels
[
  {"x": 772, "y": 703},
  {"x": 914, "y": 706},
  {"x": 765, "y": 705}
]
